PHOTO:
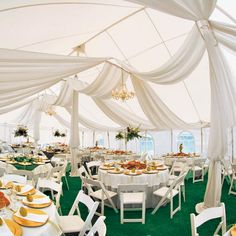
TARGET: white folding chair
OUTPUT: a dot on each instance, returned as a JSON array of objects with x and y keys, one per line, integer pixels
[
  {"x": 168, "y": 194},
  {"x": 198, "y": 170},
  {"x": 74, "y": 223},
  {"x": 101, "y": 194},
  {"x": 93, "y": 165},
  {"x": 184, "y": 170},
  {"x": 99, "y": 227},
  {"x": 52, "y": 186},
  {"x": 233, "y": 178},
  {"x": 226, "y": 170},
  {"x": 132, "y": 194},
  {"x": 82, "y": 172},
  {"x": 209, "y": 214},
  {"x": 15, "y": 178}
]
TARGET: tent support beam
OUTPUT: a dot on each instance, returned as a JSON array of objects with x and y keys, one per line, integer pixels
[{"x": 107, "y": 28}]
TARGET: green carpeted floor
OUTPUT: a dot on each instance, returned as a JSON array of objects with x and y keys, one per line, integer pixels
[{"x": 159, "y": 224}]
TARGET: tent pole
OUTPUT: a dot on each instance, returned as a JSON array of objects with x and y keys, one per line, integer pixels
[
  {"x": 74, "y": 138},
  {"x": 201, "y": 141},
  {"x": 94, "y": 138},
  {"x": 82, "y": 138},
  {"x": 232, "y": 133},
  {"x": 171, "y": 140},
  {"x": 108, "y": 139}
]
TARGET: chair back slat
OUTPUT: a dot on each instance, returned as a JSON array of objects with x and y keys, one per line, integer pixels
[{"x": 99, "y": 227}]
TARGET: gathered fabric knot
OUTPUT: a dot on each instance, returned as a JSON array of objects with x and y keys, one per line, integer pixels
[{"x": 206, "y": 31}]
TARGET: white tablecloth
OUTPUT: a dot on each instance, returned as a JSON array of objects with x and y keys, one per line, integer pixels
[
  {"x": 154, "y": 181},
  {"x": 169, "y": 160},
  {"x": 113, "y": 180},
  {"x": 48, "y": 228}
]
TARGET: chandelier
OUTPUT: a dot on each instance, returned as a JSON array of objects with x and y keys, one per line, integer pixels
[
  {"x": 122, "y": 92},
  {"x": 50, "y": 110}
]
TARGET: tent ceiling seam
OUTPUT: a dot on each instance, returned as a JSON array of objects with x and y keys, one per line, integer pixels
[
  {"x": 159, "y": 34},
  {"x": 65, "y": 3},
  {"x": 155, "y": 45},
  {"x": 107, "y": 28}
]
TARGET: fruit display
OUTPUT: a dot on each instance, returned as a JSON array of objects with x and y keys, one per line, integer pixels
[{"x": 134, "y": 165}]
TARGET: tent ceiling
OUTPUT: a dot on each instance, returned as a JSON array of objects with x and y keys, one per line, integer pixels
[{"x": 144, "y": 38}]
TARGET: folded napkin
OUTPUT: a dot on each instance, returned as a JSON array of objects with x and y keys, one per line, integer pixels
[
  {"x": 4, "y": 230},
  {"x": 26, "y": 189},
  {"x": 41, "y": 200},
  {"x": 33, "y": 217}
]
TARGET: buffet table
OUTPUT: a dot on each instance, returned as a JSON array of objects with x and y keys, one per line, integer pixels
[
  {"x": 49, "y": 228},
  {"x": 154, "y": 181}
]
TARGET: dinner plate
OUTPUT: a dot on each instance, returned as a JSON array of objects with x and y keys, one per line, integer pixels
[
  {"x": 161, "y": 168},
  {"x": 8, "y": 185},
  {"x": 115, "y": 171},
  {"x": 133, "y": 174},
  {"x": 14, "y": 227},
  {"x": 233, "y": 231},
  {"x": 150, "y": 171},
  {"x": 25, "y": 163},
  {"x": 29, "y": 223},
  {"x": 106, "y": 167},
  {"x": 31, "y": 191},
  {"x": 34, "y": 205},
  {"x": 39, "y": 163}
]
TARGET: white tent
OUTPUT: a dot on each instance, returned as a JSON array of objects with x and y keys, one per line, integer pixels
[{"x": 160, "y": 43}]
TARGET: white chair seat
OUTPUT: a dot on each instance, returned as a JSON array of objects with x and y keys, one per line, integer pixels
[
  {"x": 163, "y": 190},
  {"x": 172, "y": 177},
  {"x": 177, "y": 169},
  {"x": 132, "y": 198},
  {"x": 70, "y": 224},
  {"x": 98, "y": 194},
  {"x": 196, "y": 168},
  {"x": 94, "y": 176}
]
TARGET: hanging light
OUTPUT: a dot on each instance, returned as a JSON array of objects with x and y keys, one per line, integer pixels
[
  {"x": 122, "y": 92},
  {"x": 50, "y": 110}
]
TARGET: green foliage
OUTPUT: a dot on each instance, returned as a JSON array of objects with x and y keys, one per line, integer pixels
[
  {"x": 129, "y": 133},
  {"x": 58, "y": 133},
  {"x": 21, "y": 131}
]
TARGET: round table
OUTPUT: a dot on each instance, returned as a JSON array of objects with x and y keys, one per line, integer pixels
[
  {"x": 50, "y": 228},
  {"x": 154, "y": 181},
  {"x": 189, "y": 160}
]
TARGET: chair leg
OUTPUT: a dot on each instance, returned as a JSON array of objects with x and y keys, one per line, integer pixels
[
  {"x": 183, "y": 191},
  {"x": 67, "y": 185},
  {"x": 143, "y": 212},
  {"x": 171, "y": 208},
  {"x": 121, "y": 213},
  {"x": 102, "y": 207},
  {"x": 113, "y": 205},
  {"x": 158, "y": 206},
  {"x": 231, "y": 185}
]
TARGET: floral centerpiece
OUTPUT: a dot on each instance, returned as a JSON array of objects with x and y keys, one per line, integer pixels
[
  {"x": 21, "y": 130},
  {"x": 128, "y": 134},
  {"x": 58, "y": 133}
]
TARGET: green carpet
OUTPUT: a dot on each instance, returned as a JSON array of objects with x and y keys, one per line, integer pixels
[{"x": 160, "y": 223}]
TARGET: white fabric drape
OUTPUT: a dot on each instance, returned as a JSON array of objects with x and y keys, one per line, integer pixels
[
  {"x": 122, "y": 116},
  {"x": 28, "y": 73},
  {"x": 180, "y": 65},
  {"x": 156, "y": 111},
  {"x": 222, "y": 89}
]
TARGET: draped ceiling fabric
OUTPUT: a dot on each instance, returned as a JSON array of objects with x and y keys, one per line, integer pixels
[
  {"x": 25, "y": 74},
  {"x": 223, "y": 96}
]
